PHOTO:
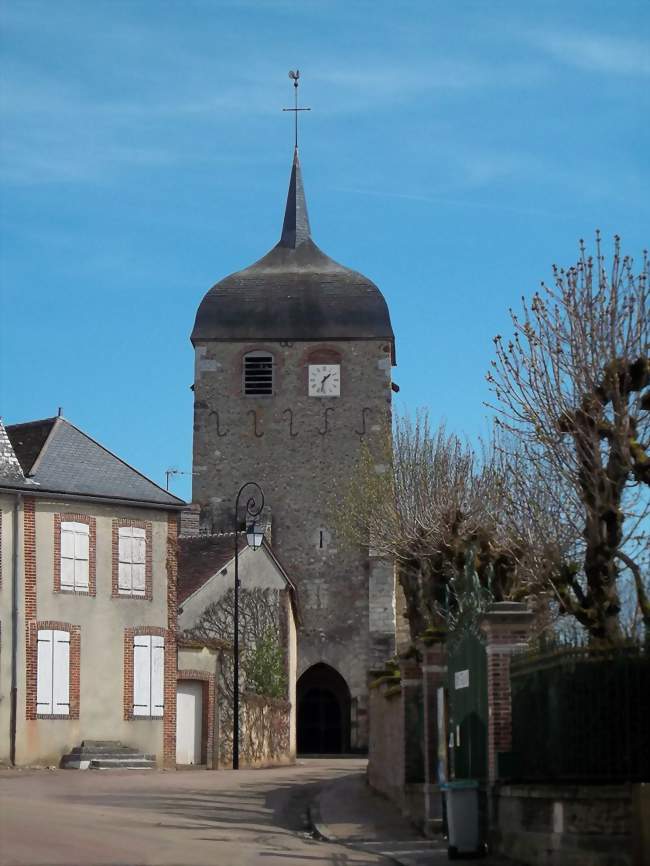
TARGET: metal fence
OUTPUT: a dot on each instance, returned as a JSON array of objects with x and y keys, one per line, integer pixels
[{"x": 582, "y": 715}]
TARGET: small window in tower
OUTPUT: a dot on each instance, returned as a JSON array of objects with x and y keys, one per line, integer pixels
[{"x": 258, "y": 375}]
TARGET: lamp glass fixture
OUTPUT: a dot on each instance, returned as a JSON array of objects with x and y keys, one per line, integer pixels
[{"x": 254, "y": 535}]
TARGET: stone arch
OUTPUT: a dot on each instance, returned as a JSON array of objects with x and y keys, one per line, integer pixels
[{"x": 323, "y": 700}]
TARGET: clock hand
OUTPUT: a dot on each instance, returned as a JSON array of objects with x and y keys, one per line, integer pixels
[{"x": 323, "y": 380}]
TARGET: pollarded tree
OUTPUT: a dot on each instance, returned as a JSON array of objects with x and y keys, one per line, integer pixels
[
  {"x": 427, "y": 501},
  {"x": 572, "y": 389}
]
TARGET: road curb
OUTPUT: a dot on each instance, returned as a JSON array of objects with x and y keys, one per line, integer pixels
[{"x": 322, "y": 832}]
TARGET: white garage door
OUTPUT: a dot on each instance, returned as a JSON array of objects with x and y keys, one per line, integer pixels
[{"x": 189, "y": 721}]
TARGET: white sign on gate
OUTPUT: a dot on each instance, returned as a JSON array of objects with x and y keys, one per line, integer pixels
[{"x": 461, "y": 679}]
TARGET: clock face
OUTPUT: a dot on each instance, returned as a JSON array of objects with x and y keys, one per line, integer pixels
[{"x": 324, "y": 380}]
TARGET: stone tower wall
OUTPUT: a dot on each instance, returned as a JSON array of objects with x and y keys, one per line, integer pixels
[{"x": 299, "y": 448}]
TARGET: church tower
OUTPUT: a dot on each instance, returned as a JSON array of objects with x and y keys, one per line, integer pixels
[{"x": 293, "y": 359}]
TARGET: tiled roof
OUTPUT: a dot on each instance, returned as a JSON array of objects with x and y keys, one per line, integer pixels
[
  {"x": 57, "y": 457},
  {"x": 202, "y": 556}
]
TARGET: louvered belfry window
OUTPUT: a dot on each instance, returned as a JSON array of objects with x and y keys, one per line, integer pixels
[{"x": 258, "y": 374}]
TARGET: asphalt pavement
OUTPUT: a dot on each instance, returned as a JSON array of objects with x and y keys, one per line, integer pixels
[{"x": 319, "y": 812}]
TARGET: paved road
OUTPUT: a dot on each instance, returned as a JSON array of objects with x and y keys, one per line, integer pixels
[{"x": 145, "y": 818}]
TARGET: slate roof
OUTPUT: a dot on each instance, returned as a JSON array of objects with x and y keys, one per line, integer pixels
[
  {"x": 295, "y": 292},
  {"x": 57, "y": 457}
]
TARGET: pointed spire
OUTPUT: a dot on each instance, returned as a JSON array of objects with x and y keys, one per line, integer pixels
[{"x": 295, "y": 228}]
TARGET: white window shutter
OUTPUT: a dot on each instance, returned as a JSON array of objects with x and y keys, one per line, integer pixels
[
  {"x": 61, "y": 673},
  {"x": 67, "y": 573},
  {"x": 125, "y": 582},
  {"x": 81, "y": 541},
  {"x": 82, "y": 556},
  {"x": 138, "y": 578},
  {"x": 81, "y": 574},
  {"x": 139, "y": 546},
  {"x": 67, "y": 540},
  {"x": 157, "y": 675},
  {"x": 75, "y": 554},
  {"x": 44, "y": 661},
  {"x": 125, "y": 544},
  {"x": 142, "y": 675},
  {"x": 132, "y": 560}
]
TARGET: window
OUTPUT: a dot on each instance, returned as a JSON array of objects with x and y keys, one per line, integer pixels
[
  {"x": 75, "y": 548},
  {"x": 132, "y": 555},
  {"x": 53, "y": 673},
  {"x": 148, "y": 675},
  {"x": 258, "y": 374}
]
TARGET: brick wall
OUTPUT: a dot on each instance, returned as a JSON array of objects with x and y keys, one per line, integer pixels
[{"x": 506, "y": 627}]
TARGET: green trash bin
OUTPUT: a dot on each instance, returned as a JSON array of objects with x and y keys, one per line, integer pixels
[{"x": 464, "y": 836}]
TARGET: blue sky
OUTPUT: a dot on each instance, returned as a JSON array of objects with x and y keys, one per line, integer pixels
[{"x": 454, "y": 151}]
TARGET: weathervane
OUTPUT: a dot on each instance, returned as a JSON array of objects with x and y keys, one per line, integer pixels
[{"x": 294, "y": 76}]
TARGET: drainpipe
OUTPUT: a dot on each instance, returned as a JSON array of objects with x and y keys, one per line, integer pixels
[{"x": 14, "y": 632}]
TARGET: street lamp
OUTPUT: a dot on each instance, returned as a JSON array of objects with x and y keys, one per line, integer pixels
[{"x": 254, "y": 538}]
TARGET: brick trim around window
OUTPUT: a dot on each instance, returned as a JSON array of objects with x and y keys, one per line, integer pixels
[
  {"x": 148, "y": 572},
  {"x": 169, "y": 710},
  {"x": 91, "y": 523},
  {"x": 208, "y": 719},
  {"x": 32, "y": 664}
]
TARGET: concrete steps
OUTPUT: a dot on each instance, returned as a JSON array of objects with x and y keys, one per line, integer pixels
[{"x": 107, "y": 755}]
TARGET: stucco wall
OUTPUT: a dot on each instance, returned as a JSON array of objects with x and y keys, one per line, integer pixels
[
  {"x": 256, "y": 570},
  {"x": 102, "y": 620},
  {"x": 299, "y": 448}
]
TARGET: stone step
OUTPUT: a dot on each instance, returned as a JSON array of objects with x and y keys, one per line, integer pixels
[
  {"x": 99, "y": 753},
  {"x": 105, "y": 755},
  {"x": 122, "y": 764}
]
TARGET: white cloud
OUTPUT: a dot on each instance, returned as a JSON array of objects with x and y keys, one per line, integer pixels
[{"x": 599, "y": 53}]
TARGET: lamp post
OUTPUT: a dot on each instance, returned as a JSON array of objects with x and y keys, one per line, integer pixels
[{"x": 254, "y": 537}]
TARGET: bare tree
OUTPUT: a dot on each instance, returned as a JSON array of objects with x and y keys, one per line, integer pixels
[
  {"x": 427, "y": 500},
  {"x": 259, "y": 622},
  {"x": 572, "y": 391}
]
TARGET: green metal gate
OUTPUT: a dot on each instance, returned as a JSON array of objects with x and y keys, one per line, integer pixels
[{"x": 468, "y": 708}]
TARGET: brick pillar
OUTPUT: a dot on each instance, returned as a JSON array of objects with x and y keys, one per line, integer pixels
[
  {"x": 506, "y": 627},
  {"x": 434, "y": 677},
  {"x": 411, "y": 682}
]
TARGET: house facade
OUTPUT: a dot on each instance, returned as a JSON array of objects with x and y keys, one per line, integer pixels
[
  {"x": 87, "y": 599},
  {"x": 267, "y": 605}
]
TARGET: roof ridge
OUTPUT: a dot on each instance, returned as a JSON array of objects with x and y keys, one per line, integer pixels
[{"x": 48, "y": 439}]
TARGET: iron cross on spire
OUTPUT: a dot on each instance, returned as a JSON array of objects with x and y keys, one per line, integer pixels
[{"x": 294, "y": 76}]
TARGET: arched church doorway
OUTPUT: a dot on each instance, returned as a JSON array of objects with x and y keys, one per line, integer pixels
[{"x": 323, "y": 699}]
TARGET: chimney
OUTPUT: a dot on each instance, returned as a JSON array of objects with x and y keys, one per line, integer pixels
[{"x": 190, "y": 520}]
